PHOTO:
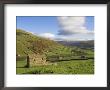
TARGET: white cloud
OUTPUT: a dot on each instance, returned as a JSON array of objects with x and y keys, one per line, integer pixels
[
  {"x": 47, "y": 35},
  {"x": 71, "y": 29},
  {"x": 75, "y": 37},
  {"x": 31, "y": 32},
  {"x": 73, "y": 25}
]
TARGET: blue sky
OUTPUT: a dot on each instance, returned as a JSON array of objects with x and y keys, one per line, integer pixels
[{"x": 50, "y": 26}]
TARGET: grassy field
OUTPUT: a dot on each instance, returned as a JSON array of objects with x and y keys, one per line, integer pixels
[{"x": 62, "y": 67}]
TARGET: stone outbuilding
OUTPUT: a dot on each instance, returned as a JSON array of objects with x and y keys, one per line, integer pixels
[{"x": 36, "y": 59}]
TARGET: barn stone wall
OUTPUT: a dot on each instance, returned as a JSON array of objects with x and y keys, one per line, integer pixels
[{"x": 37, "y": 59}]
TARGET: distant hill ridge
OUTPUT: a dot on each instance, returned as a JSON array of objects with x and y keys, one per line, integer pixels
[{"x": 81, "y": 44}]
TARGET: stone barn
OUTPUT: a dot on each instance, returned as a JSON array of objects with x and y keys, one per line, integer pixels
[{"x": 36, "y": 59}]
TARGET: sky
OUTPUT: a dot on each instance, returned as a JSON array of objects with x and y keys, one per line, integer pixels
[{"x": 69, "y": 28}]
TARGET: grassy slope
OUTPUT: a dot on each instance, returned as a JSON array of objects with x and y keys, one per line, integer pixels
[{"x": 29, "y": 43}]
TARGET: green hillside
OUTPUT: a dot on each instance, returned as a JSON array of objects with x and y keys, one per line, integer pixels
[{"x": 27, "y": 43}]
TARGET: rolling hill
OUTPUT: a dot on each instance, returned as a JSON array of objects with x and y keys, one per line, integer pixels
[
  {"x": 27, "y": 43},
  {"x": 80, "y": 44}
]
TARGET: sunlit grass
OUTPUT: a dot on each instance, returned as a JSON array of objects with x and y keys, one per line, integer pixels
[{"x": 63, "y": 67}]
